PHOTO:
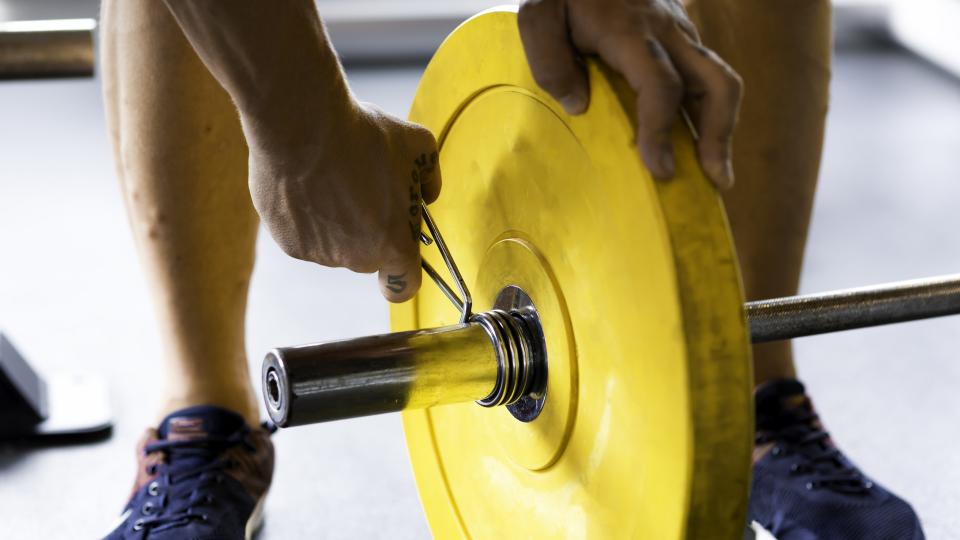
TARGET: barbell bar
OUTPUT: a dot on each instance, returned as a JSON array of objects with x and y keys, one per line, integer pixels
[
  {"x": 810, "y": 314},
  {"x": 497, "y": 357},
  {"x": 46, "y": 49}
]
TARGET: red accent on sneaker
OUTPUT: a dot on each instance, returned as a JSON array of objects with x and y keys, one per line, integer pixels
[
  {"x": 146, "y": 463},
  {"x": 185, "y": 427},
  {"x": 254, "y": 470}
]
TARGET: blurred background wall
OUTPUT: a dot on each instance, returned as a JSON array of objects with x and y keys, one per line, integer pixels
[{"x": 390, "y": 30}]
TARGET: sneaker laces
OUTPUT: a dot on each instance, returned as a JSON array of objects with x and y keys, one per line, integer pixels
[
  {"x": 797, "y": 432},
  {"x": 190, "y": 467}
]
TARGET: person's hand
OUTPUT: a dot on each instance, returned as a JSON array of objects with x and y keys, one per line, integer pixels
[
  {"x": 350, "y": 196},
  {"x": 653, "y": 44}
]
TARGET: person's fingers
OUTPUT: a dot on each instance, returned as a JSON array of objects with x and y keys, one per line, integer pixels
[
  {"x": 713, "y": 92},
  {"x": 682, "y": 20},
  {"x": 400, "y": 277},
  {"x": 644, "y": 63},
  {"x": 553, "y": 60}
]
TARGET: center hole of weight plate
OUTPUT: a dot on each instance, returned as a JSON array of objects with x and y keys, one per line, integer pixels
[{"x": 518, "y": 303}]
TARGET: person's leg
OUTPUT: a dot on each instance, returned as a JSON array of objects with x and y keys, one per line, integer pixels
[
  {"x": 781, "y": 48},
  {"x": 182, "y": 162},
  {"x": 782, "y": 51}
]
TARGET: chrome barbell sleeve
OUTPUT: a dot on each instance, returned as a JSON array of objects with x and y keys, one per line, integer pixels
[
  {"x": 490, "y": 360},
  {"x": 378, "y": 374}
]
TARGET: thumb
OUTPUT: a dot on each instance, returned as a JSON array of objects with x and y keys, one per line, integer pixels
[{"x": 553, "y": 60}]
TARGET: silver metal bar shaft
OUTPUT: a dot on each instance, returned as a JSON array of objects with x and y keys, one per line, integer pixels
[
  {"x": 45, "y": 49},
  {"x": 811, "y": 314},
  {"x": 493, "y": 358}
]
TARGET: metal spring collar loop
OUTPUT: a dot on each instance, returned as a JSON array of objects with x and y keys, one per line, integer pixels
[
  {"x": 515, "y": 362},
  {"x": 508, "y": 332},
  {"x": 463, "y": 306}
]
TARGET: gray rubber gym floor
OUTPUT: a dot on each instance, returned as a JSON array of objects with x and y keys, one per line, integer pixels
[{"x": 72, "y": 297}]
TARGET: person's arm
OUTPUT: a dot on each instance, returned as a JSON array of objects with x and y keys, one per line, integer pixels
[
  {"x": 332, "y": 179},
  {"x": 653, "y": 44}
]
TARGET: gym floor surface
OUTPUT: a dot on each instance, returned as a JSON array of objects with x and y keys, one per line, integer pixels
[{"x": 73, "y": 299}]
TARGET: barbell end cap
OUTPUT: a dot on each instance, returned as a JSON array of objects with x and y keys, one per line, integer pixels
[{"x": 276, "y": 389}]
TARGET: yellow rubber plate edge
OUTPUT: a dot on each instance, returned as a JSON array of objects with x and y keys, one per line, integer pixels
[{"x": 484, "y": 52}]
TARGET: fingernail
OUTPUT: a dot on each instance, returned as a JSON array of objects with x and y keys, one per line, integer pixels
[
  {"x": 574, "y": 103},
  {"x": 730, "y": 177},
  {"x": 720, "y": 172},
  {"x": 667, "y": 163}
]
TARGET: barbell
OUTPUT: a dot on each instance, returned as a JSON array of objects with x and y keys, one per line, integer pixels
[
  {"x": 611, "y": 363},
  {"x": 498, "y": 357},
  {"x": 46, "y": 49}
]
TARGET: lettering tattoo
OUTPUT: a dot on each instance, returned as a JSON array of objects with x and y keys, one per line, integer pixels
[
  {"x": 423, "y": 167},
  {"x": 396, "y": 283}
]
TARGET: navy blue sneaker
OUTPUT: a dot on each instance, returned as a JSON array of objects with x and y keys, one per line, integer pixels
[
  {"x": 203, "y": 475},
  {"x": 804, "y": 488}
]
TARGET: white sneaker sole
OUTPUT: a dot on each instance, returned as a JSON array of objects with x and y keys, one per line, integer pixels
[
  {"x": 256, "y": 518},
  {"x": 755, "y": 531}
]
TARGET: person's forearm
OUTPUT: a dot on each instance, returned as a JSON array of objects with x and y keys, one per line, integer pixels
[{"x": 275, "y": 61}]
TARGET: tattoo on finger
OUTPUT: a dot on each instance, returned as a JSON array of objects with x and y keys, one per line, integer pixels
[
  {"x": 423, "y": 166},
  {"x": 396, "y": 284}
]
